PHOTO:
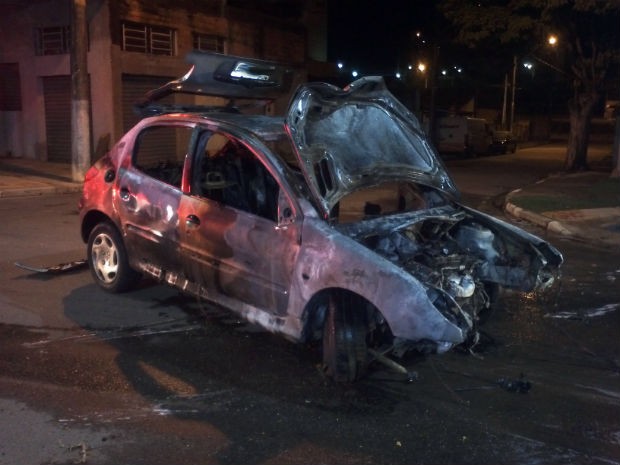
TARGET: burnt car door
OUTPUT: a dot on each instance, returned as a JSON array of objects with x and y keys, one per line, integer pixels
[
  {"x": 149, "y": 192},
  {"x": 237, "y": 235}
]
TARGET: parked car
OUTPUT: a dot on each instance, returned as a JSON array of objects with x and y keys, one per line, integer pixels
[
  {"x": 335, "y": 223},
  {"x": 503, "y": 142}
]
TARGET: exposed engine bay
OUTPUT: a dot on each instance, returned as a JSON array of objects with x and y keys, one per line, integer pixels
[{"x": 456, "y": 254}]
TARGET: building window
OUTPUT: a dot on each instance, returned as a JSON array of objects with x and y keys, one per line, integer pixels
[
  {"x": 10, "y": 88},
  {"x": 209, "y": 43},
  {"x": 53, "y": 40},
  {"x": 144, "y": 38}
]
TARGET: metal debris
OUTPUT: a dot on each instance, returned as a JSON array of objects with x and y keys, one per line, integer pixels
[
  {"x": 60, "y": 268},
  {"x": 520, "y": 385}
]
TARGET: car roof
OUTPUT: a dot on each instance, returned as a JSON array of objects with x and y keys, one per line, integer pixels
[{"x": 264, "y": 126}]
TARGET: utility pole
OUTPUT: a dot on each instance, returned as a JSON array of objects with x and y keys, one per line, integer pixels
[
  {"x": 504, "y": 104},
  {"x": 80, "y": 112},
  {"x": 432, "y": 113},
  {"x": 615, "y": 153},
  {"x": 514, "y": 89}
]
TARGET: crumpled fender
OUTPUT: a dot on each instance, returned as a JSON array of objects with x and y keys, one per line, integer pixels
[{"x": 330, "y": 260}]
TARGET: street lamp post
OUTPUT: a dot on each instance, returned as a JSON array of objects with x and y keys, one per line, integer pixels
[
  {"x": 514, "y": 88},
  {"x": 552, "y": 40},
  {"x": 505, "y": 102}
]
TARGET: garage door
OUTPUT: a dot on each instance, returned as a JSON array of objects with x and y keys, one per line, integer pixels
[
  {"x": 134, "y": 90},
  {"x": 57, "y": 102},
  {"x": 57, "y": 98}
]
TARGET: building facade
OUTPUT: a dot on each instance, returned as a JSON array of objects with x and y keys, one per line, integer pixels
[{"x": 133, "y": 46}]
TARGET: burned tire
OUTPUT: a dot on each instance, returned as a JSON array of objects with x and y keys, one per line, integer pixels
[
  {"x": 107, "y": 259},
  {"x": 344, "y": 339}
]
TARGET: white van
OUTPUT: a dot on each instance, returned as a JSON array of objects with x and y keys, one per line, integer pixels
[{"x": 462, "y": 134}]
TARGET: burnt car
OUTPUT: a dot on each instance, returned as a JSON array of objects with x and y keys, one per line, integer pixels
[{"x": 335, "y": 224}]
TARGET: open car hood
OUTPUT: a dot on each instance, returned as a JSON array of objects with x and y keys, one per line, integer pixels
[
  {"x": 360, "y": 136},
  {"x": 227, "y": 76}
]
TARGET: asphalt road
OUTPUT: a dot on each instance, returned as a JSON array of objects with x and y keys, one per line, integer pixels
[
  {"x": 153, "y": 377},
  {"x": 489, "y": 176}
]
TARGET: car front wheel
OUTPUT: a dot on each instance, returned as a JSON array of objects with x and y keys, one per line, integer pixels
[
  {"x": 107, "y": 259},
  {"x": 344, "y": 339}
]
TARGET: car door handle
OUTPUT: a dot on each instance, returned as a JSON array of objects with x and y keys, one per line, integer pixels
[{"x": 192, "y": 221}]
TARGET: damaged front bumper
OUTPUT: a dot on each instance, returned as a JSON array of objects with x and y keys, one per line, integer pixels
[{"x": 461, "y": 257}]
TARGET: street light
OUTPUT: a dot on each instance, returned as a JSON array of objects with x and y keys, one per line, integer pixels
[
  {"x": 513, "y": 90},
  {"x": 552, "y": 40}
]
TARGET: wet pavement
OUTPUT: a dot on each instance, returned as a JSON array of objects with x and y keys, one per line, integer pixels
[{"x": 154, "y": 377}]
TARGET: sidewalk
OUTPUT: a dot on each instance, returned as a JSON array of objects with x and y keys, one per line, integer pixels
[
  {"x": 584, "y": 206},
  {"x": 20, "y": 177}
]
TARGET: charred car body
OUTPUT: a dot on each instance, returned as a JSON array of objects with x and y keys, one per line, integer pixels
[{"x": 336, "y": 222}]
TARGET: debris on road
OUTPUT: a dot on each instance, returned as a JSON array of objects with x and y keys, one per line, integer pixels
[
  {"x": 60, "y": 268},
  {"x": 520, "y": 385}
]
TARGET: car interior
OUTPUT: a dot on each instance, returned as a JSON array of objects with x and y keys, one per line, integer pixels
[{"x": 229, "y": 173}]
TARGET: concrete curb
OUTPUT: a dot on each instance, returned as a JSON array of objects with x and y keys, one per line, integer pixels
[
  {"x": 598, "y": 225},
  {"x": 549, "y": 224},
  {"x": 9, "y": 192},
  {"x": 543, "y": 221}
]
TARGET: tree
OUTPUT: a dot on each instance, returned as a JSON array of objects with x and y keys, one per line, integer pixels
[
  {"x": 615, "y": 152},
  {"x": 587, "y": 44}
]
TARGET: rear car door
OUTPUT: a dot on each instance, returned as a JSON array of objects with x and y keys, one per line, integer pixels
[
  {"x": 231, "y": 237},
  {"x": 149, "y": 193}
]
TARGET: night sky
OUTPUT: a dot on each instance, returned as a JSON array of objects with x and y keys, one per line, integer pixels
[{"x": 375, "y": 35}]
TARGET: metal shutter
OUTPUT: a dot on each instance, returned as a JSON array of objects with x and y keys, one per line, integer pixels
[
  {"x": 161, "y": 143},
  {"x": 134, "y": 90},
  {"x": 57, "y": 98}
]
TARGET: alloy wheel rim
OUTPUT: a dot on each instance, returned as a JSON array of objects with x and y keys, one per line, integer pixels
[{"x": 104, "y": 256}]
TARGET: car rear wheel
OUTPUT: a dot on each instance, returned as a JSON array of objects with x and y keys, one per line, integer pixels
[
  {"x": 107, "y": 259},
  {"x": 344, "y": 339}
]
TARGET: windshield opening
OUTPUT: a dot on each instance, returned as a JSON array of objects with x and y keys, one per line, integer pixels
[
  {"x": 282, "y": 147},
  {"x": 385, "y": 199}
]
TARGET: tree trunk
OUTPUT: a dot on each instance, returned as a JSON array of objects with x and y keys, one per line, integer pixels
[
  {"x": 615, "y": 166},
  {"x": 580, "y": 115}
]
